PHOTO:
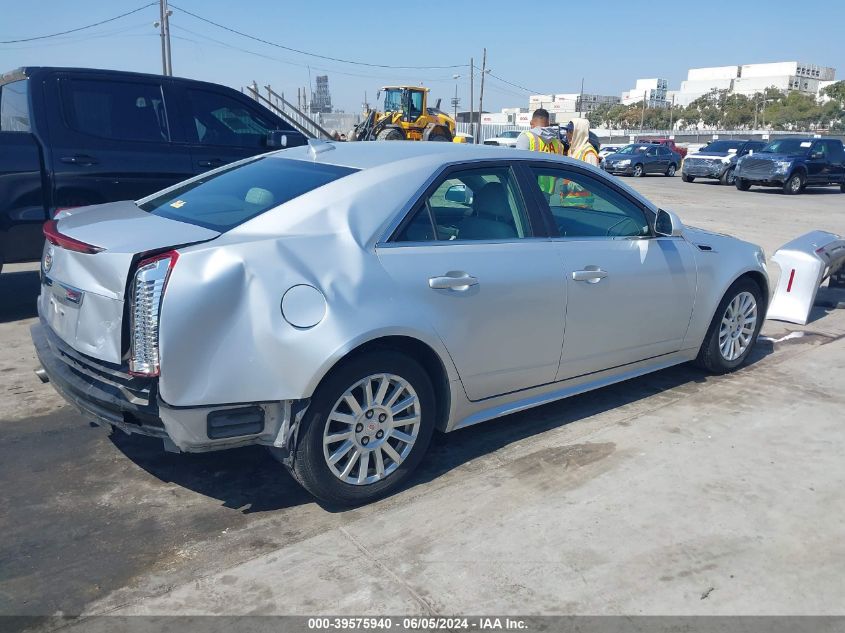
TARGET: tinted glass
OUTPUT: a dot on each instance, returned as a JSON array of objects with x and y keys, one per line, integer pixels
[
  {"x": 416, "y": 104},
  {"x": 117, "y": 110},
  {"x": 663, "y": 151},
  {"x": 228, "y": 198},
  {"x": 835, "y": 150},
  {"x": 14, "y": 107},
  {"x": 788, "y": 146},
  {"x": 583, "y": 206},
  {"x": 722, "y": 146},
  {"x": 476, "y": 204},
  {"x": 222, "y": 120},
  {"x": 633, "y": 149}
]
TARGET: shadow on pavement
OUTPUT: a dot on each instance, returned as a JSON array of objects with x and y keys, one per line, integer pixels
[{"x": 19, "y": 292}]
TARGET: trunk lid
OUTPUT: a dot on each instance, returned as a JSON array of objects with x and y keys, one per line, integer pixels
[{"x": 83, "y": 295}]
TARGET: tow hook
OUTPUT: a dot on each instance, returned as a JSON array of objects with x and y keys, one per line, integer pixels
[{"x": 42, "y": 374}]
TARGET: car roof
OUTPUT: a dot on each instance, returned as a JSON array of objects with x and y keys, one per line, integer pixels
[
  {"x": 32, "y": 71},
  {"x": 369, "y": 154}
]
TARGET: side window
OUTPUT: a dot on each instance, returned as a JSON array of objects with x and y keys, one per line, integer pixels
[
  {"x": 119, "y": 110},
  {"x": 14, "y": 107},
  {"x": 663, "y": 150},
  {"x": 820, "y": 148},
  {"x": 834, "y": 150},
  {"x": 416, "y": 104},
  {"x": 221, "y": 120},
  {"x": 476, "y": 204},
  {"x": 651, "y": 151},
  {"x": 583, "y": 206}
]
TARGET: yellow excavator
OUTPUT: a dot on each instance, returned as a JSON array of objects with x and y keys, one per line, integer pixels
[{"x": 406, "y": 117}]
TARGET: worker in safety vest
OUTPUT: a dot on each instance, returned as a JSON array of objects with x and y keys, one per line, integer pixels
[
  {"x": 578, "y": 137},
  {"x": 542, "y": 138}
]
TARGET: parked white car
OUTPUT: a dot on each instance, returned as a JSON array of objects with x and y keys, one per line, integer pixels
[
  {"x": 338, "y": 302},
  {"x": 606, "y": 150},
  {"x": 504, "y": 139}
]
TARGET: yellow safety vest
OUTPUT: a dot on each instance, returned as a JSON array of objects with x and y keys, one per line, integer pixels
[{"x": 538, "y": 144}]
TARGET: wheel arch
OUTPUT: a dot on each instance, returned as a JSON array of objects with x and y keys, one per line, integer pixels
[{"x": 432, "y": 362}]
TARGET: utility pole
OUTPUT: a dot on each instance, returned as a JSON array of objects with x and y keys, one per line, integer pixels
[
  {"x": 456, "y": 101},
  {"x": 642, "y": 115},
  {"x": 471, "y": 105},
  {"x": 164, "y": 27},
  {"x": 671, "y": 114},
  {"x": 481, "y": 97},
  {"x": 581, "y": 100}
]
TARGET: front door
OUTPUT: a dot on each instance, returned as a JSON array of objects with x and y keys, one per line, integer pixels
[
  {"x": 470, "y": 260},
  {"x": 630, "y": 294}
]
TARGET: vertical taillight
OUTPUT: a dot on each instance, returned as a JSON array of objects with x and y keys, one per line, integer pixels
[{"x": 147, "y": 291}]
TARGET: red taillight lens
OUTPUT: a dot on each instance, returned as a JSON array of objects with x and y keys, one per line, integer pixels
[
  {"x": 51, "y": 233},
  {"x": 147, "y": 292}
]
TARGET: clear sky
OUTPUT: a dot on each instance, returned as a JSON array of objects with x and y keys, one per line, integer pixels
[{"x": 546, "y": 47}]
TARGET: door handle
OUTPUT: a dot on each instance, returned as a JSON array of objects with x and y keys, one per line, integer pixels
[
  {"x": 590, "y": 275},
  {"x": 453, "y": 280},
  {"x": 214, "y": 162},
  {"x": 79, "y": 159}
]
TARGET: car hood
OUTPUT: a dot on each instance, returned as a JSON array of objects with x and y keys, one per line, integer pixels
[{"x": 713, "y": 154}]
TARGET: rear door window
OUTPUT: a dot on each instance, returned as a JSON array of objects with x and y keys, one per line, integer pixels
[
  {"x": 14, "y": 107},
  {"x": 223, "y": 200},
  {"x": 118, "y": 110},
  {"x": 221, "y": 120}
]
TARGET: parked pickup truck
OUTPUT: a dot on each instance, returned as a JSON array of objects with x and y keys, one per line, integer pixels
[
  {"x": 666, "y": 142},
  {"x": 718, "y": 160},
  {"x": 793, "y": 164},
  {"x": 72, "y": 137}
]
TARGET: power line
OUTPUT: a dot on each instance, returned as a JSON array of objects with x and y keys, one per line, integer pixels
[
  {"x": 81, "y": 28},
  {"x": 301, "y": 52}
]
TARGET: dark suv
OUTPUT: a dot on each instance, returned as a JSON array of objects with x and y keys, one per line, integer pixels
[
  {"x": 793, "y": 164},
  {"x": 72, "y": 137}
]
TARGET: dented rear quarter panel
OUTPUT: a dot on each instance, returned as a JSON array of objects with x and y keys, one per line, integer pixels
[{"x": 223, "y": 336}]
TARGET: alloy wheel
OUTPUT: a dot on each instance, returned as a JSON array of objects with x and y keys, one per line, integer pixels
[
  {"x": 738, "y": 325},
  {"x": 371, "y": 429}
]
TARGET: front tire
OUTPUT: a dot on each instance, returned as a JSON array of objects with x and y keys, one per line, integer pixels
[
  {"x": 734, "y": 328},
  {"x": 367, "y": 428},
  {"x": 728, "y": 178},
  {"x": 686, "y": 178},
  {"x": 639, "y": 172},
  {"x": 742, "y": 184},
  {"x": 794, "y": 184},
  {"x": 671, "y": 171}
]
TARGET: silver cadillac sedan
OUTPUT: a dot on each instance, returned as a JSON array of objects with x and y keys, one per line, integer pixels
[{"x": 337, "y": 303}]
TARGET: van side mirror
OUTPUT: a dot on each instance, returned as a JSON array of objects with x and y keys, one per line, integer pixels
[
  {"x": 276, "y": 139},
  {"x": 460, "y": 194},
  {"x": 667, "y": 224}
]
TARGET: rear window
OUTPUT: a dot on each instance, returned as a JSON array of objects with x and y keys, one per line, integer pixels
[
  {"x": 228, "y": 198},
  {"x": 14, "y": 107}
]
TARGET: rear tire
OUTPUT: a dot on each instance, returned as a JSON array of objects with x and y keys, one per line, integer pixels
[
  {"x": 842, "y": 188},
  {"x": 793, "y": 184},
  {"x": 639, "y": 172},
  {"x": 728, "y": 178},
  {"x": 671, "y": 171},
  {"x": 329, "y": 414},
  {"x": 686, "y": 178},
  {"x": 441, "y": 135},
  {"x": 742, "y": 184},
  {"x": 731, "y": 336}
]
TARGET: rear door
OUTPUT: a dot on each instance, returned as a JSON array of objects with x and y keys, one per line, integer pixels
[
  {"x": 222, "y": 126},
  {"x": 473, "y": 257},
  {"x": 110, "y": 139},
  {"x": 652, "y": 160},
  {"x": 835, "y": 160},
  {"x": 630, "y": 294}
]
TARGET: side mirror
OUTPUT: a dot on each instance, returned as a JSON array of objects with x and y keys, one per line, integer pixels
[
  {"x": 667, "y": 224},
  {"x": 276, "y": 139},
  {"x": 816, "y": 155},
  {"x": 460, "y": 194}
]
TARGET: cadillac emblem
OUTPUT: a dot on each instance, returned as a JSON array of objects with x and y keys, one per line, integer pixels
[{"x": 47, "y": 264}]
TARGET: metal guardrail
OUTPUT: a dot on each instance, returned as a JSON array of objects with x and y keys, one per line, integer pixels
[{"x": 290, "y": 113}]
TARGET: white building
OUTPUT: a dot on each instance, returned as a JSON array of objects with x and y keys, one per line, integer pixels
[
  {"x": 652, "y": 91},
  {"x": 569, "y": 105},
  {"x": 749, "y": 79}
]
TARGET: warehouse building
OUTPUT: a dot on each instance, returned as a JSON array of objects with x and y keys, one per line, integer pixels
[
  {"x": 652, "y": 91},
  {"x": 749, "y": 79}
]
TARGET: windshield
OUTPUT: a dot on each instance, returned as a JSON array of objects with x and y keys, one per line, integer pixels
[
  {"x": 633, "y": 149},
  {"x": 393, "y": 100},
  {"x": 788, "y": 146},
  {"x": 228, "y": 198},
  {"x": 722, "y": 146},
  {"x": 511, "y": 134}
]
